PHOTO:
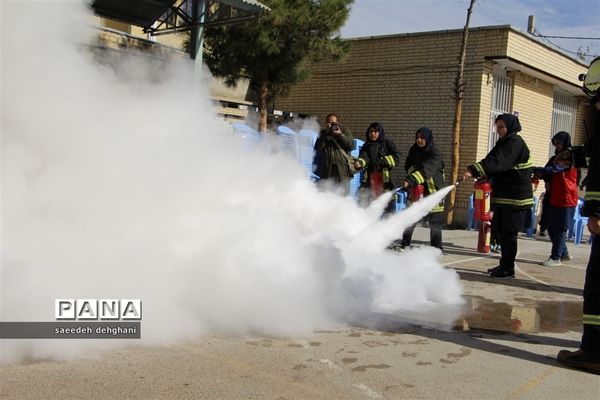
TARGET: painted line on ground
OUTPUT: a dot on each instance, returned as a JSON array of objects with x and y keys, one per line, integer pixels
[
  {"x": 533, "y": 278},
  {"x": 531, "y": 384},
  {"x": 538, "y": 262},
  {"x": 464, "y": 260}
]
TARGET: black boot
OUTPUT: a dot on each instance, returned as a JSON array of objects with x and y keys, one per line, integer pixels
[
  {"x": 580, "y": 359},
  {"x": 496, "y": 268},
  {"x": 503, "y": 273}
]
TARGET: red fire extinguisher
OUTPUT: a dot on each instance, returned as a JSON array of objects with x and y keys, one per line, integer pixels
[
  {"x": 485, "y": 235},
  {"x": 483, "y": 191},
  {"x": 376, "y": 184},
  {"x": 416, "y": 193},
  {"x": 535, "y": 181},
  {"x": 481, "y": 203}
]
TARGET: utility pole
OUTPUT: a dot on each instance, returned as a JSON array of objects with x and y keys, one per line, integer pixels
[{"x": 458, "y": 92}]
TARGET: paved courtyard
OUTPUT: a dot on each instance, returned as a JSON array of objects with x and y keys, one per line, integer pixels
[{"x": 503, "y": 347}]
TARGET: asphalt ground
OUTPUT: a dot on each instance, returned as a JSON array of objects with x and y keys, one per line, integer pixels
[{"x": 502, "y": 347}]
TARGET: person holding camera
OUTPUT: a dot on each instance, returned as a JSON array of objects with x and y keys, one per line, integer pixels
[
  {"x": 377, "y": 157},
  {"x": 330, "y": 163}
]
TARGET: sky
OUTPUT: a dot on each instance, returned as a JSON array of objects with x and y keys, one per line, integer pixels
[{"x": 552, "y": 18}]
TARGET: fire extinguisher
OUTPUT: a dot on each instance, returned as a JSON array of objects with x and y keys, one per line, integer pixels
[
  {"x": 483, "y": 191},
  {"x": 485, "y": 235},
  {"x": 535, "y": 181},
  {"x": 481, "y": 205},
  {"x": 416, "y": 193},
  {"x": 376, "y": 184}
]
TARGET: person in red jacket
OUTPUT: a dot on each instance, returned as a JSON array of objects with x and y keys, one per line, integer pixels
[{"x": 562, "y": 177}]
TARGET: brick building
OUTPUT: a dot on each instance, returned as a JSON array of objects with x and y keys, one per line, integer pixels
[{"x": 406, "y": 81}]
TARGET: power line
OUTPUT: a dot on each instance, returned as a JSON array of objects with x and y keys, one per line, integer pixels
[
  {"x": 568, "y": 37},
  {"x": 537, "y": 33}
]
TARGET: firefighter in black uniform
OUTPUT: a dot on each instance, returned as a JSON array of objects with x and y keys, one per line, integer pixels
[
  {"x": 377, "y": 156},
  {"x": 509, "y": 164},
  {"x": 424, "y": 166},
  {"x": 588, "y": 355}
]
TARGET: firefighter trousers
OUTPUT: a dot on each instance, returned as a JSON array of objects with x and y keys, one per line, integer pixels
[
  {"x": 591, "y": 301},
  {"x": 508, "y": 222}
]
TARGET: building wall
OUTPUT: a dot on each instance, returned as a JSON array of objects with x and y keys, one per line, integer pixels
[
  {"x": 230, "y": 102},
  {"x": 531, "y": 52},
  {"x": 533, "y": 101},
  {"x": 584, "y": 121},
  {"x": 406, "y": 81}
]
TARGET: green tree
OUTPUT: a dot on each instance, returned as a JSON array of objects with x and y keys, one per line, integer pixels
[{"x": 271, "y": 50}]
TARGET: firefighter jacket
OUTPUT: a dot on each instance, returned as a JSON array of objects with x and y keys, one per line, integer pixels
[
  {"x": 509, "y": 164},
  {"x": 425, "y": 166},
  {"x": 380, "y": 155},
  {"x": 591, "y": 204},
  {"x": 329, "y": 160}
]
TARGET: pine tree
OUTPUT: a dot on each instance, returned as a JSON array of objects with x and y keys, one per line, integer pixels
[{"x": 271, "y": 50}]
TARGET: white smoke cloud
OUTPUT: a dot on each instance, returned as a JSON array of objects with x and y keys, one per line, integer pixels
[{"x": 122, "y": 185}]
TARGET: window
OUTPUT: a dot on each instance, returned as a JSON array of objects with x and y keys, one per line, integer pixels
[
  {"x": 501, "y": 103},
  {"x": 564, "y": 112}
]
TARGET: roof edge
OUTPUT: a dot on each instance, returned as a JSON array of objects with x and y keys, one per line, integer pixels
[{"x": 478, "y": 28}]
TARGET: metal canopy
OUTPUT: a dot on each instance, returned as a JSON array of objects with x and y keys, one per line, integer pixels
[
  {"x": 159, "y": 17},
  {"x": 252, "y": 6},
  {"x": 136, "y": 12}
]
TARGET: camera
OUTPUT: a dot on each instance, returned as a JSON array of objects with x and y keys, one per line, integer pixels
[{"x": 334, "y": 127}]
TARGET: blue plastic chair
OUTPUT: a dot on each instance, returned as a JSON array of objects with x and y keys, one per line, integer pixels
[
  {"x": 401, "y": 197},
  {"x": 287, "y": 140},
  {"x": 250, "y": 136},
  {"x": 576, "y": 217},
  {"x": 241, "y": 128},
  {"x": 532, "y": 218},
  {"x": 355, "y": 181},
  {"x": 306, "y": 149},
  {"x": 579, "y": 223},
  {"x": 470, "y": 214}
]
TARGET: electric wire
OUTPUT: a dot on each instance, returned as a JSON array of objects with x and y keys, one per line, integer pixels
[{"x": 543, "y": 37}]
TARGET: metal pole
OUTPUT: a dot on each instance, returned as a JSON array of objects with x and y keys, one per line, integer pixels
[
  {"x": 531, "y": 24},
  {"x": 198, "y": 15}
]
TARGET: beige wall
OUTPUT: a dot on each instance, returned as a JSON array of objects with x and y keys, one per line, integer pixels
[
  {"x": 531, "y": 52},
  {"x": 171, "y": 45},
  {"x": 406, "y": 81},
  {"x": 533, "y": 101}
]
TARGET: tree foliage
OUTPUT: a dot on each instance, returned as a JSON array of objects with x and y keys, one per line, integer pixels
[{"x": 270, "y": 50}]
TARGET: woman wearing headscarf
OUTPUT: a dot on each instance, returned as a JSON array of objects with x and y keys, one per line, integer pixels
[
  {"x": 560, "y": 175},
  {"x": 377, "y": 157},
  {"x": 424, "y": 166},
  {"x": 509, "y": 164}
]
